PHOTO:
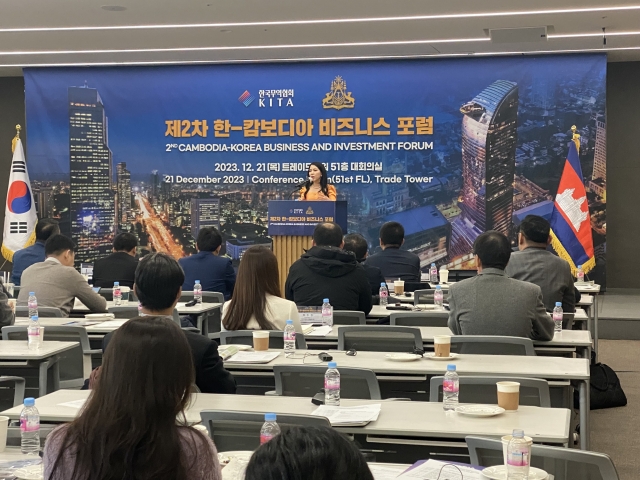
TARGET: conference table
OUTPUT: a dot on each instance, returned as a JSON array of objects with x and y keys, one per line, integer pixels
[
  {"x": 198, "y": 310},
  {"x": 15, "y": 355},
  {"x": 563, "y": 343},
  {"x": 559, "y": 371},
  {"x": 400, "y": 422},
  {"x": 380, "y": 311}
]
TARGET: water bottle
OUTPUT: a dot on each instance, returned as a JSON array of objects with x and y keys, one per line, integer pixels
[
  {"x": 32, "y": 302},
  {"x": 384, "y": 294},
  {"x": 30, "y": 428},
  {"x": 433, "y": 274},
  {"x": 518, "y": 456},
  {"x": 117, "y": 293},
  {"x": 269, "y": 428},
  {"x": 332, "y": 385},
  {"x": 34, "y": 339},
  {"x": 438, "y": 296},
  {"x": 289, "y": 339},
  {"x": 197, "y": 292},
  {"x": 580, "y": 274},
  {"x": 450, "y": 388},
  {"x": 327, "y": 312},
  {"x": 557, "y": 317}
]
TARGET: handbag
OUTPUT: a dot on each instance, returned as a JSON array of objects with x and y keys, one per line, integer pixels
[{"x": 606, "y": 391}]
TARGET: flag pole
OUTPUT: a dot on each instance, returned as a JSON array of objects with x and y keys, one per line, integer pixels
[{"x": 16, "y": 138}]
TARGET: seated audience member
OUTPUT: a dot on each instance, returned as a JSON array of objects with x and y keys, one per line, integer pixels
[
  {"x": 6, "y": 311},
  {"x": 157, "y": 286},
  {"x": 131, "y": 426},
  {"x": 327, "y": 271},
  {"x": 215, "y": 273},
  {"x": 26, "y": 257},
  {"x": 492, "y": 303},
  {"x": 308, "y": 453},
  {"x": 257, "y": 302},
  {"x": 120, "y": 266},
  {"x": 393, "y": 262},
  {"x": 356, "y": 244},
  {"x": 56, "y": 283},
  {"x": 534, "y": 263}
]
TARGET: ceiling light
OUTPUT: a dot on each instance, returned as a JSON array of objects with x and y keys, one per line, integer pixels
[
  {"x": 113, "y": 8},
  {"x": 598, "y": 34},
  {"x": 443, "y": 16},
  {"x": 247, "y": 47}
]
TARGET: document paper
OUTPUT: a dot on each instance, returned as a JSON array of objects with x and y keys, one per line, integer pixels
[
  {"x": 430, "y": 470},
  {"x": 337, "y": 416}
]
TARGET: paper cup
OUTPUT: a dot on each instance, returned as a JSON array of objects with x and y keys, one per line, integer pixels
[
  {"x": 505, "y": 445},
  {"x": 260, "y": 340},
  {"x": 398, "y": 287},
  {"x": 4, "y": 424},
  {"x": 509, "y": 395},
  {"x": 442, "y": 345},
  {"x": 444, "y": 275},
  {"x": 126, "y": 294}
]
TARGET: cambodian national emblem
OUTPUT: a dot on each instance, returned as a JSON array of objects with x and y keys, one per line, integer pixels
[{"x": 338, "y": 97}]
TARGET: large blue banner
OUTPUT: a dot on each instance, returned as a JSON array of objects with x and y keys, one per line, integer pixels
[{"x": 449, "y": 148}]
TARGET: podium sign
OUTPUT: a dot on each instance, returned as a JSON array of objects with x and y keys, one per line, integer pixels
[{"x": 299, "y": 218}]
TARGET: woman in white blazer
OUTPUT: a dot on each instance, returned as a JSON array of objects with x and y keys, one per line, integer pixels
[{"x": 257, "y": 302}]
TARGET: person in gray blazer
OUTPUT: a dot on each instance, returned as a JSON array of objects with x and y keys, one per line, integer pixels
[
  {"x": 534, "y": 263},
  {"x": 56, "y": 283},
  {"x": 491, "y": 303}
]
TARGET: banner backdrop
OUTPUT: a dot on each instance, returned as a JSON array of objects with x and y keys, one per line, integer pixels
[{"x": 448, "y": 148}]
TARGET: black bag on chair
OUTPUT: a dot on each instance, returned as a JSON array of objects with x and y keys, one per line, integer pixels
[{"x": 606, "y": 391}]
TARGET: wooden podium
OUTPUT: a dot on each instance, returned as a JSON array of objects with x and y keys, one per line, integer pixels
[{"x": 291, "y": 224}]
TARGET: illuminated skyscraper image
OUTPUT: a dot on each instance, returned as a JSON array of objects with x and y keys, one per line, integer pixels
[
  {"x": 92, "y": 203},
  {"x": 123, "y": 185},
  {"x": 488, "y": 157},
  {"x": 205, "y": 212}
]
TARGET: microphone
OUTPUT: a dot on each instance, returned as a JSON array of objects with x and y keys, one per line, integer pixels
[{"x": 304, "y": 182}]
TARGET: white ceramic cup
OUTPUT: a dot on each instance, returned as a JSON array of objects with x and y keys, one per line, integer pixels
[{"x": 4, "y": 424}]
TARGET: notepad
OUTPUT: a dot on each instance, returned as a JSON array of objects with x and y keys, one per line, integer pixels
[
  {"x": 358, "y": 415},
  {"x": 386, "y": 472},
  {"x": 73, "y": 403},
  {"x": 432, "y": 469},
  {"x": 114, "y": 323},
  {"x": 253, "y": 357}
]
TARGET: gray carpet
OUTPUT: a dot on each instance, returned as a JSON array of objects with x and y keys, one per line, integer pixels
[{"x": 614, "y": 431}]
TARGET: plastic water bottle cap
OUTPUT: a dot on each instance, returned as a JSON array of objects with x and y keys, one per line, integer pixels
[
  {"x": 116, "y": 284},
  {"x": 333, "y": 365},
  {"x": 433, "y": 264},
  {"x": 289, "y": 322},
  {"x": 29, "y": 402},
  {"x": 34, "y": 318},
  {"x": 438, "y": 287},
  {"x": 383, "y": 284},
  {"x": 32, "y": 294},
  {"x": 270, "y": 417},
  {"x": 518, "y": 433},
  {"x": 326, "y": 300},
  {"x": 451, "y": 367},
  {"x": 197, "y": 281},
  {"x": 558, "y": 304}
]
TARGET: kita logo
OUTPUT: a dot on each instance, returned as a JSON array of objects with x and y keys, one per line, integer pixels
[{"x": 246, "y": 98}]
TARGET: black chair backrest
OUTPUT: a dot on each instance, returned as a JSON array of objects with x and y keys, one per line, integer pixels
[
  {"x": 307, "y": 380},
  {"x": 376, "y": 338}
]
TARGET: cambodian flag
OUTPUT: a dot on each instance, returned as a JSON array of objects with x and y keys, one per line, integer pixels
[
  {"x": 571, "y": 232},
  {"x": 20, "y": 216}
]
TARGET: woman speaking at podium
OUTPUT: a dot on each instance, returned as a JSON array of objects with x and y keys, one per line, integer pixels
[{"x": 317, "y": 187}]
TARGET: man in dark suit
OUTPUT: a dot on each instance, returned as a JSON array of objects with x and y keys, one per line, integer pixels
[
  {"x": 216, "y": 274},
  {"x": 393, "y": 262},
  {"x": 357, "y": 244},
  {"x": 534, "y": 263},
  {"x": 158, "y": 283},
  {"x": 25, "y": 257},
  {"x": 491, "y": 303},
  {"x": 120, "y": 266}
]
